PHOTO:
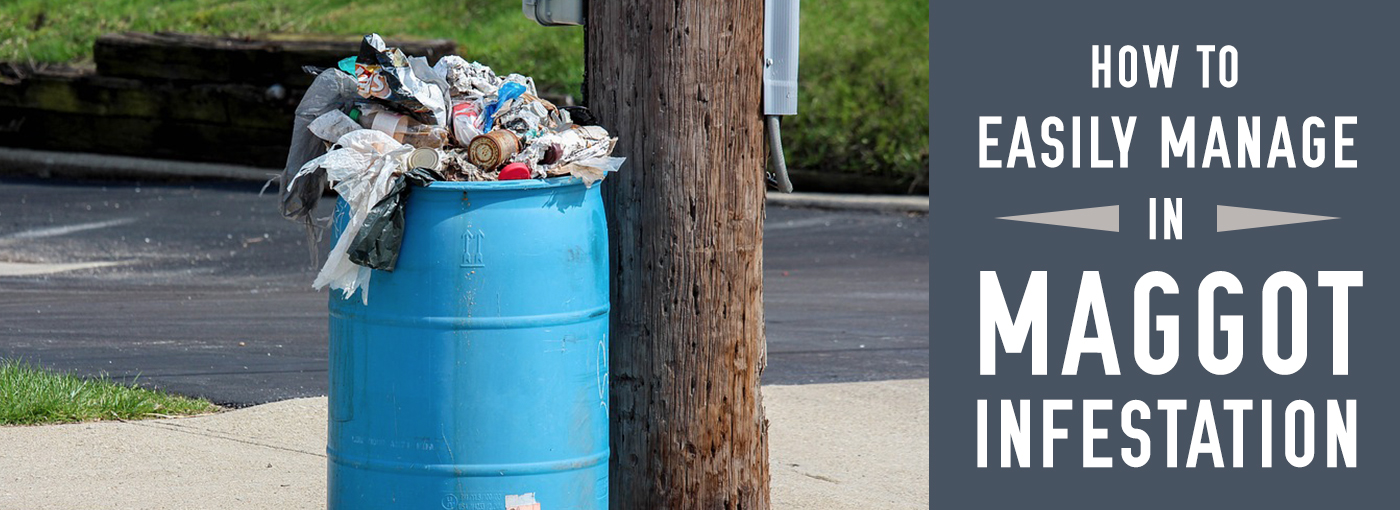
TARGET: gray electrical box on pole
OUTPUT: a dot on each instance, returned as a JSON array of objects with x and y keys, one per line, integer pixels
[
  {"x": 780, "y": 57},
  {"x": 553, "y": 13},
  {"x": 780, "y": 23},
  {"x": 780, "y": 43}
]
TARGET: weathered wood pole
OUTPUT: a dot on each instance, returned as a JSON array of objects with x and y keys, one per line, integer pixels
[{"x": 680, "y": 85}]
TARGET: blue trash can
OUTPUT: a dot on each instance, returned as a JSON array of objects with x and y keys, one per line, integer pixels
[{"x": 477, "y": 375}]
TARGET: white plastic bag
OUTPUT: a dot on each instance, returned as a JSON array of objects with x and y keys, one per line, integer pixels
[{"x": 362, "y": 172}]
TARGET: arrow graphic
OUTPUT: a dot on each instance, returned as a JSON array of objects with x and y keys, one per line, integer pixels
[
  {"x": 1093, "y": 218},
  {"x": 1229, "y": 218}
]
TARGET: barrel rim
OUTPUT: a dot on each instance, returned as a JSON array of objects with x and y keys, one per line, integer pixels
[{"x": 521, "y": 184}]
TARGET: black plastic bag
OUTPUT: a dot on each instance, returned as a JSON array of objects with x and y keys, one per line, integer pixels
[{"x": 377, "y": 244}]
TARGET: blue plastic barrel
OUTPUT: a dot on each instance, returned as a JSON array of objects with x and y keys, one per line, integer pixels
[{"x": 478, "y": 373}]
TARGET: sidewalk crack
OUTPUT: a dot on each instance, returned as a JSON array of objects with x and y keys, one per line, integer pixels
[{"x": 218, "y": 435}]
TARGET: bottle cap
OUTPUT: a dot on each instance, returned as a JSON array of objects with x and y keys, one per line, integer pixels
[{"x": 514, "y": 171}]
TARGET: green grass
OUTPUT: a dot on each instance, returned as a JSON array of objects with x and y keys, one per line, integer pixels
[
  {"x": 863, "y": 103},
  {"x": 491, "y": 31},
  {"x": 30, "y": 396}
]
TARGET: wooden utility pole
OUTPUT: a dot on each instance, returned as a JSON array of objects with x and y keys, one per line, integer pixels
[{"x": 680, "y": 85}]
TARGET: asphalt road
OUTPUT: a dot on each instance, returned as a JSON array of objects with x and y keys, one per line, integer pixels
[{"x": 205, "y": 290}]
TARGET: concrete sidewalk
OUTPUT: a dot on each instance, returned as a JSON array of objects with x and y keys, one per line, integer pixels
[{"x": 831, "y": 446}]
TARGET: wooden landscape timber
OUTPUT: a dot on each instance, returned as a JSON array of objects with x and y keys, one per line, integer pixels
[
  {"x": 143, "y": 137},
  {"x": 268, "y": 60},
  {"x": 66, "y": 91},
  {"x": 175, "y": 96},
  {"x": 65, "y": 109}
]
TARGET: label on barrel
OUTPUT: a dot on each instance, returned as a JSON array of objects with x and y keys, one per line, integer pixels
[{"x": 474, "y": 501}]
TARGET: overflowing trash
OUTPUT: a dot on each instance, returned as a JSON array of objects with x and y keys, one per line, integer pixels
[{"x": 381, "y": 123}]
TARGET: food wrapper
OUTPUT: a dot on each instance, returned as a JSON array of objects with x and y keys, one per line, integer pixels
[{"x": 407, "y": 84}]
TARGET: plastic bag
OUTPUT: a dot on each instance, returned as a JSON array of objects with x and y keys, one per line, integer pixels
[
  {"x": 507, "y": 92},
  {"x": 332, "y": 125},
  {"x": 362, "y": 172},
  {"x": 526, "y": 81},
  {"x": 466, "y": 121},
  {"x": 330, "y": 91},
  {"x": 377, "y": 244},
  {"x": 580, "y": 115},
  {"x": 593, "y": 169}
]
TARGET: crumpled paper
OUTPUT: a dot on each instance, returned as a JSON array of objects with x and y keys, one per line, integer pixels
[
  {"x": 457, "y": 166},
  {"x": 467, "y": 80},
  {"x": 530, "y": 117},
  {"x": 524, "y": 118},
  {"x": 534, "y": 153},
  {"x": 586, "y": 154}
]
